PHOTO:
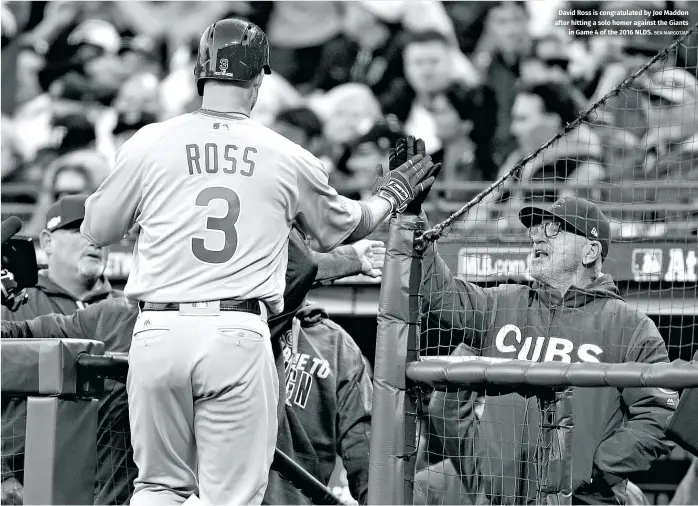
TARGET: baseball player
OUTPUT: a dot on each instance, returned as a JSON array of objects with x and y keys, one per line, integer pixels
[{"x": 214, "y": 195}]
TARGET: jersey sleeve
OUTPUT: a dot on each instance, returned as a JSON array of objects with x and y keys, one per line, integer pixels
[
  {"x": 326, "y": 216},
  {"x": 111, "y": 211}
]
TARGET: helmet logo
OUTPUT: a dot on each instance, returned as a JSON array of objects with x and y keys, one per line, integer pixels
[{"x": 224, "y": 64}]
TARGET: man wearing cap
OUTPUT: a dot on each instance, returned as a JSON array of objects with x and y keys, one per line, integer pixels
[
  {"x": 74, "y": 279},
  {"x": 571, "y": 313}
]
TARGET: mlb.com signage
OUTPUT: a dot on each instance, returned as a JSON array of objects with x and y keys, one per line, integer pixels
[{"x": 487, "y": 263}]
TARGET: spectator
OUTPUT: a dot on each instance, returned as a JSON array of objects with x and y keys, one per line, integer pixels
[
  {"x": 81, "y": 171},
  {"x": 540, "y": 112},
  {"x": 375, "y": 53},
  {"x": 27, "y": 76},
  {"x": 136, "y": 105},
  {"x": 302, "y": 126},
  {"x": 469, "y": 22},
  {"x": 501, "y": 50},
  {"x": 356, "y": 171},
  {"x": 138, "y": 55},
  {"x": 302, "y": 35},
  {"x": 13, "y": 22},
  {"x": 74, "y": 279},
  {"x": 670, "y": 153},
  {"x": 275, "y": 95},
  {"x": 430, "y": 66},
  {"x": 346, "y": 112},
  {"x": 465, "y": 123},
  {"x": 9, "y": 151},
  {"x": 139, "y": 95}
]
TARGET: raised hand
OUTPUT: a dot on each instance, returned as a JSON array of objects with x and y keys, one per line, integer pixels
[
  {"x": 372, "y": 256},
  {"x": 417, "y": 147}
]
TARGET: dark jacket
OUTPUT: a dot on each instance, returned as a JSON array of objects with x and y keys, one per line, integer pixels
[
  {"x": 617, "y": 431},
  {"x": 328, "y": 406},
  {"x": 49, "y": 299}
]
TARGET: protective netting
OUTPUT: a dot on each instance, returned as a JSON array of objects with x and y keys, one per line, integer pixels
[
  {"x": 116, "y": 470},
  {"x": 634, "y": 153},
  {"x": 517, "y": 468},
  {"x": 13, "y": 429}
]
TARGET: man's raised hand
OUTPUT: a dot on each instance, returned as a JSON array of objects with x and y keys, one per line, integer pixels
[{"x": 411, "y": 174}]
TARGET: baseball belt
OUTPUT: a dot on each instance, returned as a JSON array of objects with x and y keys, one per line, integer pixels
[{"x": 243, "y": 306}]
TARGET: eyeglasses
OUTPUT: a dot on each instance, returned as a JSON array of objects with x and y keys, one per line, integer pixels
[{"x": 549, "y": 228}]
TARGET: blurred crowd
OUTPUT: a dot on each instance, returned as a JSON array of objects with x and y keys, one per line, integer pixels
[{"x": 483, "y": 83}]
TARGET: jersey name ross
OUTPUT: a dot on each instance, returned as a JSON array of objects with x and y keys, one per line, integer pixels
[{"x": 211, "y": 158}]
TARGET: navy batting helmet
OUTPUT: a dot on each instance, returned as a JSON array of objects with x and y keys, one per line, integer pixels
[{"x": 231, "y": 50}]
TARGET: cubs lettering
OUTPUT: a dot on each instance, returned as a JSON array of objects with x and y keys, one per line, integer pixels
[
  {"x": 301, "y": 370},
  {"x": 551, "y": 349}
]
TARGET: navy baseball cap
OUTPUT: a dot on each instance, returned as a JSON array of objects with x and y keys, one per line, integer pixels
[
  {"x": 583, "y": 217},
  {"x": 69, "y": 210}
]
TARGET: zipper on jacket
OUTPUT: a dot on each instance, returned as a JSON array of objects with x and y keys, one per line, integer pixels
[{"x": 553, "y": 312}]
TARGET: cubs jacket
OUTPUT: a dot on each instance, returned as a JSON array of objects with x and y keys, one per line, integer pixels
[{"x": 616, "y": 431}]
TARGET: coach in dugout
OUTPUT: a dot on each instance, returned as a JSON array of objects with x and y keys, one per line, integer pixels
[
  {"x": 74, "y": 279},
  {"x": 572, "y": 313},
  {"x": 112, "y": 322}
]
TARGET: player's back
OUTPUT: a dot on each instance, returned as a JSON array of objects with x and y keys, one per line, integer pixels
[{"x": 219, "y": 195}]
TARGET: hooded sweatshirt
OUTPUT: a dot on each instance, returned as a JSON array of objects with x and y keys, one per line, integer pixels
[
  {"x": 616, "y": 431},
  {"x": 327, "y": 406}
]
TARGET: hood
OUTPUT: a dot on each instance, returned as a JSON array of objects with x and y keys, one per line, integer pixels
[
  {"x": 310, "y": 314},
  {"x": 602, "y": 287},
  {"x": 101, "y": 290}
]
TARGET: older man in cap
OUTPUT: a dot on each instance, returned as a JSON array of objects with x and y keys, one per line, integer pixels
[{"x": 571, "y": 313}]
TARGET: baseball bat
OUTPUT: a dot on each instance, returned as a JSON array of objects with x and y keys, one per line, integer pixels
[{"x": 303, "y": 480}]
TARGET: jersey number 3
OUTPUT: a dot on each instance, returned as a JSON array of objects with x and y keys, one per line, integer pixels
[{"x": 226, "y": 224}]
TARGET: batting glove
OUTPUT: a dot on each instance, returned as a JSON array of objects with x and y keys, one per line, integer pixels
[
  {"x": 401, "y": 185},
  {"x": 404, "y": 150}
]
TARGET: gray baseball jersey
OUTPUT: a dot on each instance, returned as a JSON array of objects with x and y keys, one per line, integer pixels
[{"x": 215, "y": 197}]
